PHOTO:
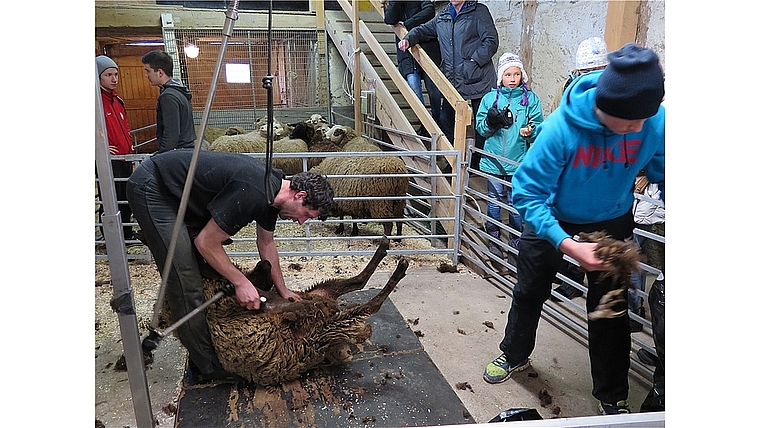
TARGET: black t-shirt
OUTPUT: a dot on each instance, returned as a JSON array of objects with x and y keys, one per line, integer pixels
[{"x": 227, "y": 187}]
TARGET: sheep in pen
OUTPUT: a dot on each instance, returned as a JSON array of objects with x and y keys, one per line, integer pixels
[{"x": 285, "y": 339}]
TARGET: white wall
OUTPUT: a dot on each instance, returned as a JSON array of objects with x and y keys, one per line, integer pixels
[{"x": 559, "y": 27}]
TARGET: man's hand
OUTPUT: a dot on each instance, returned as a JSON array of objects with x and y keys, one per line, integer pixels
[
  {"x": 583, "y": 253},
  {"x": 293, "y": 297},
  {"x": 248, "y": 296},
  {"x": 403, "y": 44}
]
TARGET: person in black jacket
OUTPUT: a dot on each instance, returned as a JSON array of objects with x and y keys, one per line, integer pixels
[
  {"x": 175, "y": 128},
  {"x": 410, "y": 14},
  {"x": 468, "y": 41}
]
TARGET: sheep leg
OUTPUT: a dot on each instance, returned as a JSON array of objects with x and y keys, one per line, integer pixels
[
  {"x": 332, "y": 288},
  {"x": 340, "y": 227},
  {"x": 373, "y": 305},
  {"x": 355, "y": 229}
]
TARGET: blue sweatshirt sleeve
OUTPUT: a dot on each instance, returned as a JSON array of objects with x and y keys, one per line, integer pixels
[{"x": 533, "y": 185}]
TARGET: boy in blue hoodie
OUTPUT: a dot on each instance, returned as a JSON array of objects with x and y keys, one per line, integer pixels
[{"x": 578, "y": 177}]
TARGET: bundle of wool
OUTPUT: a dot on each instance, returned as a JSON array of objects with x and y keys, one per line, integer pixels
[{"x": 620, "y": 259}]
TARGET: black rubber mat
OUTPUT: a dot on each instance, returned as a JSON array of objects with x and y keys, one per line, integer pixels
[{"x": 391, "y": 382}]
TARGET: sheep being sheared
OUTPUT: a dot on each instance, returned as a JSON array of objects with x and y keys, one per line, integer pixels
[
  {"x": 621, "y": 258},
  {"x": 284, "y": 339}
]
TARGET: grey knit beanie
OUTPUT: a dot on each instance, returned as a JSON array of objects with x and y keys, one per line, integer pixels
[
  {"x": 632, "y": 86},
  {"x": 104, "y": 62}
]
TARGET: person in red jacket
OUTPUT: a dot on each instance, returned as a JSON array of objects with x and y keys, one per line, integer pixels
[{"x": 119, "y": 137}]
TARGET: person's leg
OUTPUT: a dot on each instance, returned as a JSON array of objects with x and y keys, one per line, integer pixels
[
  {"x": 655, "y": 400},
  {"x": 123, "y": 170},
  {"x": 184, "y": 286},
  {"x": 434, "y": 94},
  {"x": 609, "y": 338},
  {"x": 415, "y": 82},
  {"x": 447, "y": 120},
  {"x": 537, "y": 263},
  {"x": 495, "y": 192},
  {"x": 515, "y": 221}
]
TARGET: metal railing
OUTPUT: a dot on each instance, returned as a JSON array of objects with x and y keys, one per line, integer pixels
[{"x": 420, "y": 218}]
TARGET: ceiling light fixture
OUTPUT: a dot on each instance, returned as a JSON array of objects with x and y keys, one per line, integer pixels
[{"x": 191, "y": 50}]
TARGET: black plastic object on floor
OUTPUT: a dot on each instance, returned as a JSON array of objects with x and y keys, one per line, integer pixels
[
  {"x": 521, "y": 414},
  {"x": 391, "y": 382}
]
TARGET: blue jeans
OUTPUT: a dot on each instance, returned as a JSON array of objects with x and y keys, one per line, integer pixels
[
  {"x": 498, "y": 191},
  {"x": 415, "y": 82}
]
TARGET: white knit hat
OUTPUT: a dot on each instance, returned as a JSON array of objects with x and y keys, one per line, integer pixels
[
  {"x": 508, "y": 59},
  {"x": 591, "y": 53}
]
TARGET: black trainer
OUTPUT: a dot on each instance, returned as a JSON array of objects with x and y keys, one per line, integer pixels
[{"x": 621, "y": 407}]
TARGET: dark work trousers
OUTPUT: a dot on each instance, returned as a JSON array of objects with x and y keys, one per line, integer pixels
[
  {"x": 120, "y": 170},
  {"x": 156, "y": 214},
  {"x": 609, "y": 339},
  {"x": 448, "y": 116}
]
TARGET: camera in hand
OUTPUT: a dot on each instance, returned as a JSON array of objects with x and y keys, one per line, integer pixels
[{"x": 499, "y": 118}]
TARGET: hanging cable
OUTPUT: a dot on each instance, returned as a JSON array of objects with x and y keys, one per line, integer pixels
[{"x": 267, "y": 83}]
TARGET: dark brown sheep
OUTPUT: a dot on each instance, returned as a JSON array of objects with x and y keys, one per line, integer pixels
[{"x": 284, "y": 339}]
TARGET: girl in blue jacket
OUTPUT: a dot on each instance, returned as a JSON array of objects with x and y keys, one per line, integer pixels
[{"x": 507, "y": 118}]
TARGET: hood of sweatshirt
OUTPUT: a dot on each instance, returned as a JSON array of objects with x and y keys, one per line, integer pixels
[{"x": 176, "y": 84}]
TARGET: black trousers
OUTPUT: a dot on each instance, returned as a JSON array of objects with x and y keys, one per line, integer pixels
[
  {"x": 609, "y": 339},
  {"x": 156, "y": 214},
  {"x": 448, "y": 116},
  {"x": 120, "y": 170}
]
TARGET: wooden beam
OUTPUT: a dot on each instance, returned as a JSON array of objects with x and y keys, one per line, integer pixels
[
  {"x": 128, "y": 17},
  {"x": 622, "y": 23}
]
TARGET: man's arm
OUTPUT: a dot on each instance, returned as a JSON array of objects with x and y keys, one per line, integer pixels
[
  {"x": 209, "y": 244},
  {"x": 170, "y": 111},
  {"x": 268, "y": 251}
]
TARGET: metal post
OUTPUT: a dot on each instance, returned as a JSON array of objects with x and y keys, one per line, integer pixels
[
  {"x": 229, "y": 23},
  {"x": 123, "y": 300}
]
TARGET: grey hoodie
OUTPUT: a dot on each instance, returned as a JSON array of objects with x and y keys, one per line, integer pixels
[{"x": 175, "y": 128}]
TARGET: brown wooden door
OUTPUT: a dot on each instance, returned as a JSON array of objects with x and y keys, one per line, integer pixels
[{"x": 139, "y": 98}]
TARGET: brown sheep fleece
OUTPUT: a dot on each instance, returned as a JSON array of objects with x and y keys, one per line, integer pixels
[
  {"x": 621, "y": 258},
  {"x": 284, "y": 339}
]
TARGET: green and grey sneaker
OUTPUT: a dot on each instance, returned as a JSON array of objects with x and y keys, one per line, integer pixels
[
  {"x": 621, "y": 407},
  {"x": 499, "y": 370}
]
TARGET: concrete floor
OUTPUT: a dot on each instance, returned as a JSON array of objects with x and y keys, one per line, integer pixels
[{"x": 454, "y": 312}]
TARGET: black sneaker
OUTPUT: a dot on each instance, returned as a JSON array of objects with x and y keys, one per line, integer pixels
[
  {"x": 647, "y": 357},
  {"x": 619, "y": 408}
]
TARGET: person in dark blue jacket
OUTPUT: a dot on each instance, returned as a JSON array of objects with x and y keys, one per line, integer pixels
[
  {"x": 410, "y": 14},
  {"x": 578, "y": 177},
  {"x": 468, "y": 40}
]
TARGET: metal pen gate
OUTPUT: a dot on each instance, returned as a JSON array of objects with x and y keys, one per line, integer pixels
[{"x": 420, "y": 220}]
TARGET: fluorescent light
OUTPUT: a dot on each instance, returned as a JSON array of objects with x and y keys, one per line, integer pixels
[{"x": 147, "y": 43}]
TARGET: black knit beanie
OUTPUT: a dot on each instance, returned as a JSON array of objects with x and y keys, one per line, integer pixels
[{"x": 632, "y": 86}]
